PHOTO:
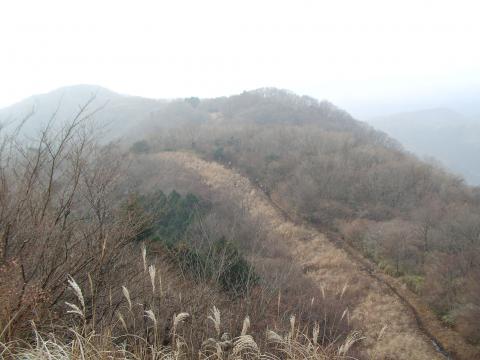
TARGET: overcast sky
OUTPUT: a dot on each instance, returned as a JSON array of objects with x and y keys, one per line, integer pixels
[{"x": 353, "y": 53}]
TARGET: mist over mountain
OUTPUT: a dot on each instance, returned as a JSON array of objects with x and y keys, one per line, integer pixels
[
  {"x": 465, "y": 101},
  {"x": 114, "y": 111},
  {"x": 240, "y": 180},
  {"x": 133, "y": 115},
  {"x": 448, "y": 136},
  {"x": 444, "y": 134}
]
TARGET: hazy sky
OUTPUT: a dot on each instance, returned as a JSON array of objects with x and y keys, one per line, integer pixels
[{"x": 351, "y": 52}]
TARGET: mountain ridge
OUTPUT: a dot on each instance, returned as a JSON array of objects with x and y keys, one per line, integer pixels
[
  {"x": 427, "y": 133},
  {"x": 441, "y": 133}
]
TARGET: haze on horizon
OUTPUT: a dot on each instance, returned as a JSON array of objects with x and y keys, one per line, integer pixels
[{"x": 370, "y": 57}]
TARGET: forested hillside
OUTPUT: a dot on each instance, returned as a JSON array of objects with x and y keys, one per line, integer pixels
[
  {"x": 106, "y": 256},
  {"x": 140, "y": 242},
  {"x": 415, "y": 220}
]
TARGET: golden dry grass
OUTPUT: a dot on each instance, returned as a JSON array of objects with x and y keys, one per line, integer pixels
[
  {"x": 328, "y": 266},
  {"x": 84, "y": 345},
  {"x": 80, "y": 340}
]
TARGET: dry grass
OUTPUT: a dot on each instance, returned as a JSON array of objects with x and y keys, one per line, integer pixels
[
  {"x": 85, "y": 344},
  {"x": 371, "y": 303},
  {"x": 97, "y": 347},
  {"x": 145, "y": 329},
  {"x": 75, "y": 283}
]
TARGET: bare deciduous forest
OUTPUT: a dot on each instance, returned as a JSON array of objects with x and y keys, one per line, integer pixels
[{"x": 261, "y": 225}]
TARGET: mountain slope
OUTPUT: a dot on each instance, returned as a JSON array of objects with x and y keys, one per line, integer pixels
[
  {"x": 417, "y": 222},
  {"x": 448, "y": 136},
  {"x": 118, "y": 112},
  {"x": 330, "y": 267}
]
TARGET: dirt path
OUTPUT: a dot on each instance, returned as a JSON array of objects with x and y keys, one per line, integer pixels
[
  {"x": 330, "y": 266},
  {"x": 446, "y": 341}
]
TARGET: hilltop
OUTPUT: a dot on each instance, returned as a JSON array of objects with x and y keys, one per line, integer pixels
[{"x": 118, "y": 112}]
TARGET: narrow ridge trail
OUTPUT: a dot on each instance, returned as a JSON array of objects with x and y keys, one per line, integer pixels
[
  {"x": 446, "y": 341},
  {"x": 331, "y": 265}
]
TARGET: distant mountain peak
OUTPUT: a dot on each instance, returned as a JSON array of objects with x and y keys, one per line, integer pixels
[
  {"x": 435, "y": 116},
  {"x": 82, "y": 90},
  {"x": 441, "y": 133}
]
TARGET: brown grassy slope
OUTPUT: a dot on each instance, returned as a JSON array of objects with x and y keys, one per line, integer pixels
[
  {"x": 329, "y": 266},
  {"x": 451, "y": 341}
]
